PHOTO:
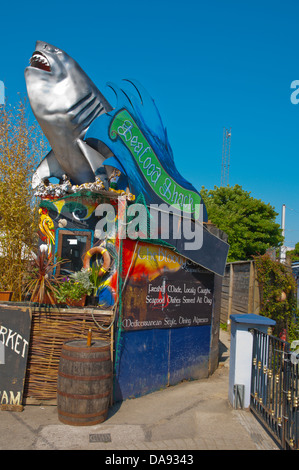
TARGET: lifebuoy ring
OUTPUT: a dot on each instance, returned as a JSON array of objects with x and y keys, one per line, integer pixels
[{"x": 106, "y": 258}]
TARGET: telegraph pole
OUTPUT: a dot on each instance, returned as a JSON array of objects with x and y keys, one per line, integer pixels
[
  {"x": 225, "y": 156},
  {"x": 283, "y": 247}
]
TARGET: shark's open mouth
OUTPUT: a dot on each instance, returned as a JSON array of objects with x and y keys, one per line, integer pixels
[{"x": 39, "y": 61}]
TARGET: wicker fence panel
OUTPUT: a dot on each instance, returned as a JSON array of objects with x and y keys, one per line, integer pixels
[{"x": 49, "y": 330}]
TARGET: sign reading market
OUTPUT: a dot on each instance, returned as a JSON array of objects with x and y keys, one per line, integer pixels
[{"x": 15, "y": 327}]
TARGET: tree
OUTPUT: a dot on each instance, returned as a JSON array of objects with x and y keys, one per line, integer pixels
[
  {"x": 248, "y": 222},
  {"x": 294, "y": 254},
  {"x": 278, "y": 295},
  {"x": 20, "y": 150}
]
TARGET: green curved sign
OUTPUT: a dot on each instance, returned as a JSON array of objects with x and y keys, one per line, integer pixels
[{"x": 124, "y": 127}]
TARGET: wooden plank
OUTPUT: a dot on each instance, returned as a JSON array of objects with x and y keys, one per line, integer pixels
[
  {"x": 230, "y": 295},
  {"x": 251, "y": 288},
  {"x": 256, "y": 296},
  {"x": 241, "y": 305},
  {"x": 11, "y": 407},
  {"x": 240, "y": 290}
]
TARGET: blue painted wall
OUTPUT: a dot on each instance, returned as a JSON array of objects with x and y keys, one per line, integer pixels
[{"x": 152, "y": 359}]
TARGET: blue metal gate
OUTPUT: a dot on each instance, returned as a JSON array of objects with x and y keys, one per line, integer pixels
[{"x": 274, "y": 389}]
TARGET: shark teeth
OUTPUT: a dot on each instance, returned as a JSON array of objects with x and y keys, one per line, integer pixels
[{"x": 39, "y": 61}]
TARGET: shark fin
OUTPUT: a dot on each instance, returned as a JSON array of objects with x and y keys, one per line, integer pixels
[
  {"x": 113, "y": 162},
  {"x": 95, "y": 160},
  {"x": 48, "y": 167}
]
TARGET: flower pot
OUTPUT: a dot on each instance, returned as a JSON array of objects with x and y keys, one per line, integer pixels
[
  {"x": 45, "y": 300},
  {"x": 5, "y": 295},
  {"x": 92, "y": 300},
  {"x": 77, "y": 303}
]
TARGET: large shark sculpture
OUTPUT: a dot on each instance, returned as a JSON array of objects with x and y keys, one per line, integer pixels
[
  {"x": 65, "y": 102},
  {"x": 90, "y": 139},
  {"x": 76, "y": 119}
]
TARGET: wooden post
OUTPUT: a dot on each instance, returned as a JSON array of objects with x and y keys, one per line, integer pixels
[
  {"x": 230, "y": 294},
  {"x": 256, "y": 297},
  {"x": 89, "y": 336},
  {"x": 251, "y": 288},
  {"x": 112, "y": 358}
]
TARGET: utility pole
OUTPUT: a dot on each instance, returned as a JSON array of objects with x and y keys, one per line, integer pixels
[
  {"x": 225, "y": 156},
  {"x": 283, "y": 247}
]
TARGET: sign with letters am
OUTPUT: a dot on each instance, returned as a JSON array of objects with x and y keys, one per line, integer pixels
[{"x": 15, "y": 327}]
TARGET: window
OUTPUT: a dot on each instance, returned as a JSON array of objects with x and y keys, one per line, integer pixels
[{"x": 72, "y": 245}]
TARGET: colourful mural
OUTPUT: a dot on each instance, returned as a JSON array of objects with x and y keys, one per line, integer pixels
[
  {"x": 68, "y": 226},
  {"x": 106, "y": 292},
  {"x": 163, "y": 289},
  {"x": 46, "y": 230},
  {"x": 162, "y": 281}
]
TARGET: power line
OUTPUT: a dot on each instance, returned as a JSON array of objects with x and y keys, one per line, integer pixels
[{"x": 293, "y": 210}]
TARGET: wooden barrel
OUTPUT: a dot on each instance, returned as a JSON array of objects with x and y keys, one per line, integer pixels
[{"x": 84, "y": 384}]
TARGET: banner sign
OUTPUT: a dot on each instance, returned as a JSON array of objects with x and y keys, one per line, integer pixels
[
  {"x": 165, "y": 187},
  {"x": 134, "y": 133},
  {"x": 139, "y": 143},
  {"x": 15, "y": 326},
  {"x": 164, "y": 290}
]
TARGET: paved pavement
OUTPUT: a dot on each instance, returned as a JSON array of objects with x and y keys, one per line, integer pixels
[{"x": 187, "y": 417}]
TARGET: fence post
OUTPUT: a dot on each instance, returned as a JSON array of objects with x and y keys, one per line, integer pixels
[
  {"x": 251, "y": 287},
  {"x": 230, "y": 293},
  {"x": 283, "y": 408},
  {"x": 241, "y": 353}
]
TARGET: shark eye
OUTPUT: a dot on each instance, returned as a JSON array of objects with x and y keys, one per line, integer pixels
[{"x": 49, "y": 48}]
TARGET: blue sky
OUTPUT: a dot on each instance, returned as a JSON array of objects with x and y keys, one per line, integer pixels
[{"x": 208, "y": 65}]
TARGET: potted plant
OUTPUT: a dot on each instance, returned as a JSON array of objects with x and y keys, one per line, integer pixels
[
  {"x": 83, "y": 277},
  {"x": 74, "y": 289},
  {"x": 42, "y": 285},
  {"x": 95, "y": 276},
  {"x": 5, "y": 294}
]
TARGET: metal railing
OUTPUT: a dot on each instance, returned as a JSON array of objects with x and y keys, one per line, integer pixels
[{"x": 274, "y": 389}]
